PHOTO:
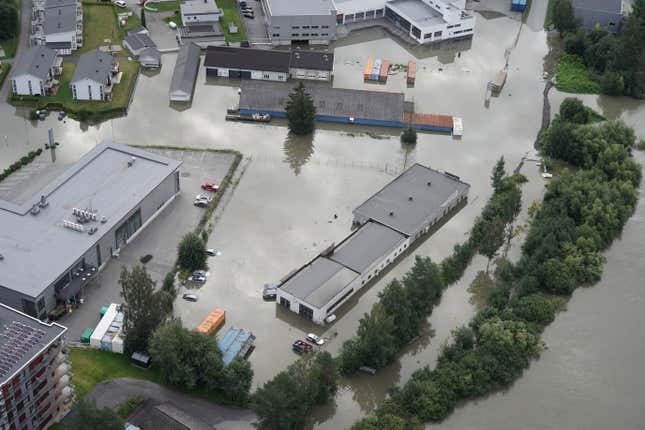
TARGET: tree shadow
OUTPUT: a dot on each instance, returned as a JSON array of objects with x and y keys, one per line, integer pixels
[{"x": 298, "y": 151}]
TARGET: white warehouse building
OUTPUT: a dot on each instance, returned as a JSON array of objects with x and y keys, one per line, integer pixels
[
  {"x": 425, "y": 21},
  {"x": 390, "y": 221}
]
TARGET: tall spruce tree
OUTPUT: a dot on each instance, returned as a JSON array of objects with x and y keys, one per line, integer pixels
[{"x": 300, "y": 111}]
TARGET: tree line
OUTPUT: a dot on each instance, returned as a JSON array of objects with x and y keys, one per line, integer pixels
[
  {"x": 615, "y": 62},
  {"x": 582, "y": 212},
  {"x": 9, "y": 19}
]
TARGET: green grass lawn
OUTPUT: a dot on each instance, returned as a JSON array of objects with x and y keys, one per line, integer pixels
[
  {"x": 4, "y": 72},
  {"x": 231, "y": 14},
  {"x": 548, "y": 18},
  {"x": 95, "y": 109},
  {"x": 163, "y": 6},
  {"x": 100, "y": 23},
  {"x": 91, "y": 367},
  {"x": 572, "y": 76}
]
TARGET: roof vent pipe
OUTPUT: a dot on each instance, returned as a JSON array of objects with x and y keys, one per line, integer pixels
[
  {"x": 391, "y": 213},
  {"x": 410, "y": 198},
  {"x": 429, "y": 183}
]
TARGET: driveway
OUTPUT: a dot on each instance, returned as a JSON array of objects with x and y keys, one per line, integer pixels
[
  {"x": 256, "y": 31},
  {"x": 192, "y": 412}
]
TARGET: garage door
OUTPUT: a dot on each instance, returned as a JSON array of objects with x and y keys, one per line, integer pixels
[
  {"x": 246, "y": 74},
  {"x": 211, "y": 72},
  {"x": 234, "y": 73}
]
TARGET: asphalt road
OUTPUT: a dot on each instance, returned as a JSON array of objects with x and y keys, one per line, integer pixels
[{"x": 202, "y": 414}]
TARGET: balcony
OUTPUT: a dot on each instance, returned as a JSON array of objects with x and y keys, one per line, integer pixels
[{"x": 79, "y": 279}]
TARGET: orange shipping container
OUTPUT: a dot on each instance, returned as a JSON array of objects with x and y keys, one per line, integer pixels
[
  {"x": 212, "y": 322},
  {"x": 385, "y": 67},
  {"x": 412, "y": 72},
  {"x": 368, "y": 69}
]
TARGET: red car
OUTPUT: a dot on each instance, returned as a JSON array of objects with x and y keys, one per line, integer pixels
[{"x": 209, "y": 186}]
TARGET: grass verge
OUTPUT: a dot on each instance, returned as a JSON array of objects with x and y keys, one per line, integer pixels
[
  {"x": 572, "y": 77},
  {"x": 231, "y": 14},
  {"x": 163, "y": 6},
  {"x": 4, "y": 72},
  {"x": 527, "y": 10},
  {"x": 548, "y": 18},
  {"x": 100, "y": 22},
  {"x": 92, "y": 110}
]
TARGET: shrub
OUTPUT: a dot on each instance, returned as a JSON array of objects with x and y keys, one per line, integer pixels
[
  {"x": 409, "y": 135},
  {"x": 191, "y": 253}
]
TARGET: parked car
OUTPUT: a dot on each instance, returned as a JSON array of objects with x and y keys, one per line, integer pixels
[
  {"x": 211, "y": 252},
  {"x": 190, "y": 297},
  {"x": 270, "y": 292},
  {"x": 172, "y": 25},
  {"x": 209, "y": 186},
  {"x": 120, "y": 3},
  {"x": 198, "y": 276},
  {"x": 204, "y": 197},
  {"x": 301, "y": 347},
  {"x": 247, "y": 15},
  {"x": 200, "y": 203},
  {"x": 247, "y": 10},
  {"x": 315, "y": 339},
  {"x": 242, "y": 4}
]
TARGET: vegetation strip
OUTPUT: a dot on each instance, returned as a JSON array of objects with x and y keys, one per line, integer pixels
[
  {"x": 17, "y": 165},
  {"x": 582, "y": 212},
  {"x": 4, "y": 72}
]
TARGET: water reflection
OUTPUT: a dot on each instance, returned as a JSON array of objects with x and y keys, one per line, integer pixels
[{"x": 298, "y": 150}]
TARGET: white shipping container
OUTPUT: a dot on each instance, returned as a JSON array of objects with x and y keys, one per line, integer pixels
[{"x": 103, "y": 326}]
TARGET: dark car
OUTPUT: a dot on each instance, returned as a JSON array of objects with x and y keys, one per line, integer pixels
[
  {"x": 249, "y": 16},
  {"x": 301, "y": 347},
  {"x": 242, "y": 4}
]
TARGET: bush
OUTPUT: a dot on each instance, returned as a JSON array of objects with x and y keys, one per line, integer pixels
[
  {"x": 191, "y": 253},
  {"x": 409, "y": 135},
  {"x": 572, "y": 76},
  {"x": 612, "y": 83}
]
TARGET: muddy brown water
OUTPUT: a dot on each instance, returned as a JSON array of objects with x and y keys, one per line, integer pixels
[{"x": 282, "y": 214}]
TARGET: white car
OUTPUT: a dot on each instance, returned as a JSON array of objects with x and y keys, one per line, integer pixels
[
  {"x": 203, "y": 197},
  {"x": 120, "y": 3},
  {"x": 315, "y": 339},
  {"x": 172, "y": 25}
]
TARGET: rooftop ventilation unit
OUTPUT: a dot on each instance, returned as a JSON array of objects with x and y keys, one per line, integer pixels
[
  {"x": 410, "y": 198},
  {"x": 43, "y": 203},
  {"x": 429, "y": 183},
  {"x": 35, "y": 210},
  {"x": 73, "y": 226},
  {"x": 84, "y": 215}
]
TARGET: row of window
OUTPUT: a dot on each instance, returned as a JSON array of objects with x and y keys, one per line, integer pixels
[
  {"x": 304, "y": 35},
  {"x": 305, "y": 27},
  {"x": 463, "y": 31},
  {"x": 454, "y": 26}
]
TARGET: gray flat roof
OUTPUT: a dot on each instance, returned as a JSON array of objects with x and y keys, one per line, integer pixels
[
  {"x": 198, "y": 7},
  {"x": 139, "y": 41},
  {"x": 37, "y": 249},
  {"x": 186, "y": 68},
  {"x": 59, "y": 3},
  {"x": 368, "y": 244},
  {"x": 419, "y": 13},
  {"x": 340, "y": 102},
  {"x": 319, "y": 281},
  {"x": 36, "y": 61},
  {"x": 22, "y": 338},
  {"x": 392, "y": 206},
  {"x": 60, "y": 19},
  {"x": 94, "y": 65},
  {"x": 299, "y": 7}
]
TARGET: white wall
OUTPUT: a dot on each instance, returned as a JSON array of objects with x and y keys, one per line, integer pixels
[
  {"x": 69, "y": 36},
  {"x": 315, "y": 75},
  {"x": 269, "y": 76},
  {"x": 84, "y": 87},
  {"x": 21, "y": 85},
  {"x": 188, "y": 19}
]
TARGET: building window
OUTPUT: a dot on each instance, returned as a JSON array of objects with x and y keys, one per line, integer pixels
[
  {"x": 360, "y": 15},
  {"x": 127, "y": 229},
  {"x": 295, "y": 27},
  {"x": 324, "y": 26},
  {"x": 416, "y": 32},
  {"x": 305, "y": 34},
  {"x": 306, "y": 312},
  {"x": 276, "y": 27},
  {"x": 325, "y": 34},
  {"x": 276, "y": 34},
  {"x": 266, "y": 76},
  {"x": 314, "y": 26},
  {"x": 29, "y": 307},
  {"x": 437, "y": 34},
  {"x": 379, "y": 13},
  {"x": 41, "y": 304},
  {"x": 314, "y": 34},
  {"x": 284, "y": 302},
  {"x": 295, "y": 34},
  {"x": 427, "y": 36},
  {"x": 305, "y": 27},
  {"x": 369, "y": 14}
]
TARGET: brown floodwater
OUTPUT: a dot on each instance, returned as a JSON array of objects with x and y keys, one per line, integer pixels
[{"x": 281, "y": 214}]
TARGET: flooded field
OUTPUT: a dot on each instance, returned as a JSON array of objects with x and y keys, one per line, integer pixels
[{"x": 282, "y": 212}]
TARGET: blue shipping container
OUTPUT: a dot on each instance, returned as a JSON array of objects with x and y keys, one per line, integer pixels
[{"x": 518, "y": 5}]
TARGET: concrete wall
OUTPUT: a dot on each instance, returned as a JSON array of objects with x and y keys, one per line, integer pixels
[
  {"x": 87, "y": 90},
  {"x": 20, "y": 85},
  {"x": 283, "y": 29}
]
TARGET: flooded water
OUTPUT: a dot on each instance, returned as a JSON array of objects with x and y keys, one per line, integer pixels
[{"x": 282, "y": 214}]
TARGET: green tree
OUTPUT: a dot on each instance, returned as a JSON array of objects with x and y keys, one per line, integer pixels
[
  {"x": 9, "y": 20},
  {"x": 490, "y": 237},
  {"x": 396, "y": 302},
  {"x": 498, "y": 173},
  {"x": 236, "y": 381},
  {"x": 409, "y": 135},
  {"x": 186, "y": 358},
  {"x": 191, "y": 252},
  {"x": 87, "y": 416},
  {"x": 324, "y": 378},
  {"x": 563, "y": 17},
  {"x": 423, "y": 283},
  {"x": 142, "y": 312},
  {"x": 300, "y": 111},
  {"x": 573, "y": 110},
  {"x": 383, "y": 422}
]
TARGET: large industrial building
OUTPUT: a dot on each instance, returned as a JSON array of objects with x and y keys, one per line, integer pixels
[
  {"x": 424, "y": 21},
  {"x": 388, "y": 223},
  {"x": 53, "y": 243},
  {"x": 35, "y": 389},
  {"x": 303, "y": 21}
]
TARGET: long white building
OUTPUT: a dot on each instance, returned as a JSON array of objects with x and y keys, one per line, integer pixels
[
  {"x": 425, "y": 21},
  {"x": 389, "y": 222}
]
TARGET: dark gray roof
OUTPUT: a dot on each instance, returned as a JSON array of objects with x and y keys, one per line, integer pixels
[
  {"x": 246, "y": 58},
  {"x": 59, "y": 45},
  {"x": 59, "y": 3},
  {"x": 312, "y": 60},
  {"x": 319, "y": 281},
  {"x": 611, "y": 6},
  {"x": 186, "y": 68},
  {"x": 94, "y": 65},
  {"x": 368, "y": 244},
  {"x": 150, "y": 54},
  {"x": 100, "y": 179},
  {"x": 138, "y": 41},
  {"x": 300, "y": 7},
  {"x": 431, "y": 192},
  {"x": 35, "y": 61},
  {"x": 60, "y": 19},
  {"x": 341, "y": 102},
  {"x": 137, "y": 30},
  {"x": 22, "y": 338}
]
